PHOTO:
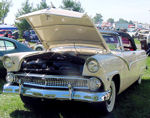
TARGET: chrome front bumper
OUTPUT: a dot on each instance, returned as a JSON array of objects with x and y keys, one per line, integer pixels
[{"x": 57, "y": 94}]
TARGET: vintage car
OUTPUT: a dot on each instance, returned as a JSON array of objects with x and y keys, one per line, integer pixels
[
  {"x": 3, "y": 32},
  {"x": 39, "y": 47},
  {"x": 143, "y": 34},
  {"x": 78, "y": 64},
  {"x": 7, "y": 46}
]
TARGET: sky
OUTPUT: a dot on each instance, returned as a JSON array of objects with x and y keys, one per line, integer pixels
[{"x": 136, "y": 10}]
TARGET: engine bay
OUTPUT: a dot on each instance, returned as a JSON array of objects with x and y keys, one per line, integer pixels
[{"x": 52, "y": 63}]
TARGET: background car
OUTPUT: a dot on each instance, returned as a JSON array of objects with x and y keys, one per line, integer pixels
[
  {"x": 15, "y": 34},
  {"x": 39, "y": 47},
  {"x": 30, "y": 36},
  {"x": 33, "y": 36},
  {"x": 143, "y": 34},
  {"x": 2, "y": 33},
  {"x": 8, "y": 45}
]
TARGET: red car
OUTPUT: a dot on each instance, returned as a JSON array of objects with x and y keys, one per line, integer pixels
[{"x": 2, "y": 33}]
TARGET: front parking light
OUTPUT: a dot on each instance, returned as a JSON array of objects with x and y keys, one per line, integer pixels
[
  {"x": 10, "y": 77},
  {"x": 94, "y": 84}
]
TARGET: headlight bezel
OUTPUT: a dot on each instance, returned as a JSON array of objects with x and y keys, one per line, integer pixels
[
  {"x": 8, "y": 64},
  {"x": 92, "y": 61}
]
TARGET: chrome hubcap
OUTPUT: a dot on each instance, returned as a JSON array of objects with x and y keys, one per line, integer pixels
[{"x": 110, "y": 103}]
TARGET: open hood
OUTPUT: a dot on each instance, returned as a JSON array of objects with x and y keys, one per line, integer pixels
[{"x": 57, "y": 27}]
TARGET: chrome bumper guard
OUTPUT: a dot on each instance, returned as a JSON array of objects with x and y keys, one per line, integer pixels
[{"x": 58, "y": 94}]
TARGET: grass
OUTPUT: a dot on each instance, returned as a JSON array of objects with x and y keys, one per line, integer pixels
[
  {"x": 20, "y": 40},
  {"x": 137, "y": 41},
  {"x": 132, "y": 103}
]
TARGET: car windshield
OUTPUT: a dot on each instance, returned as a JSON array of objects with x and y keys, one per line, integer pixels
[{"x": 112, "y": 41}]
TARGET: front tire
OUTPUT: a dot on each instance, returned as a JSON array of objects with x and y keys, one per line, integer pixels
[
  {"x": 139, "y": 81},
  {"x": 108, "y": 105},
  {"x": 39, "y": 48}
]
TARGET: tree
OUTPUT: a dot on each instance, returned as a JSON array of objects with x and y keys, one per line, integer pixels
[
  {"x": 131, "y": 22},
  {"x": 110, "y": 20},
  {"x": 4, "y": 9},
  {"x": 72, "y": 5},
  {"x": 23, "y": 24},
  {"x": 97, "y": 18},
  {"x": 121, "y": 20},
  {"x": 42, "y": 5}
]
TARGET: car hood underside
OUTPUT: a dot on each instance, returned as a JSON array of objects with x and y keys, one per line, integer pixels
[{"x": 57, "y": 27}]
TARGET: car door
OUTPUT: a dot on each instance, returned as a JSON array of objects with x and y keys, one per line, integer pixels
[{"x": 130, "y": 55}]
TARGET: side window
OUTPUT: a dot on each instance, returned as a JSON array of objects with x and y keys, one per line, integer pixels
[
  {"x": 2, "y": 46},
  {"x": 126, "y": 44},
  {"x": 112, "y": 42},
  {"x": 9, "y": 45}
]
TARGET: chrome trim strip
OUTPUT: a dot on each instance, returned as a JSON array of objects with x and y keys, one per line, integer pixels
[
  {"x": 36, "y": 85},
  {"x": 58, "y": 94},
  {"x": 136, "y": 61},
  {"x": 51, "y": 76}
]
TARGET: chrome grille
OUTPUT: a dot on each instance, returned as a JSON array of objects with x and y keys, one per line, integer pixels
[{"x": 53, "y": 82}]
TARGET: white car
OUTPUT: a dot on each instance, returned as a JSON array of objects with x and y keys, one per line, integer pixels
[
  {"x": 39, "y": 47},
  {"x": 79, "y": 66}
]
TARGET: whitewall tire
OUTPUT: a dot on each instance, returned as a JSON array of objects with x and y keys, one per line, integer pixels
[{"x": 108, "y": 105}]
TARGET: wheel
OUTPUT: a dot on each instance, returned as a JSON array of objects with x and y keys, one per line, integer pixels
[
  {"x": 39, "y": 49},
  {"x": 139, "y": 81},
  {"x": 148, "y": 52},
  {"x": 108, "y": 105}
]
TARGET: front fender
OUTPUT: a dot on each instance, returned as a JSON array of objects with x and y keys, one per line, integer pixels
[{"x": 110, "y": 66}]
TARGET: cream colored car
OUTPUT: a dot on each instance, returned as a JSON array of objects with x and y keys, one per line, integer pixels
[{"x": 78, "y": 64}]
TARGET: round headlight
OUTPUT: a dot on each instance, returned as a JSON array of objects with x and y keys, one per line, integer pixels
[
  {"x": 94, "y": 83},
  {"x": 93, "y": 65},
  {"x": 8, "y": 62},
  {"x": 10, "y": 77}
]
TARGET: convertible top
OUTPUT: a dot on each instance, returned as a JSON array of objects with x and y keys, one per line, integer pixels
[{"x": 124, "y": 34}]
